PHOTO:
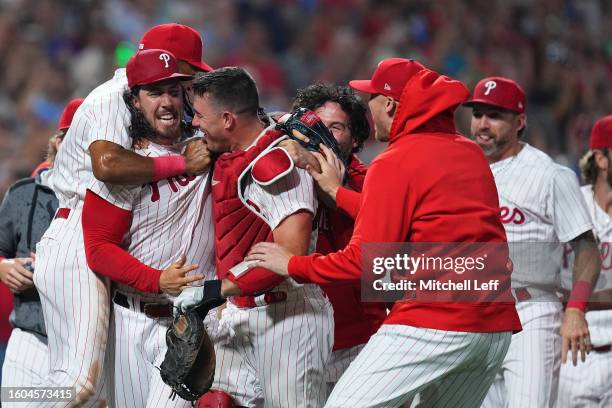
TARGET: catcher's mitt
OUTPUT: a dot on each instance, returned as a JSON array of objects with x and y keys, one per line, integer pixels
[
  {"x": 310, "y": 125},
  {"x": 189, "y": 365}
]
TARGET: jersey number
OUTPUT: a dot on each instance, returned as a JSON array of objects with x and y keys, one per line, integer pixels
[{"x": 172, "y": 183}]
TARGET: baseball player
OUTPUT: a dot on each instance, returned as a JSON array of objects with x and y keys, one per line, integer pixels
[
  {"x": 26, "y": 212},
  {"x": 446, "y": 352},
  {"x": 541, "y": 206},
  {"x": 275, "y": 336},
  {"x": 134, "y": 240},
  {"x": 75, "y": 300},
  {"x": 345, "y": 116},
  {"x": 590, "y": 384}
]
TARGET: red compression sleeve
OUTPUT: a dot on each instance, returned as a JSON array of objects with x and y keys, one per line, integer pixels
[
  {"x": 168, "y": 166},
  {"x": 348, "y": 201},
  {"x": 256, "y": 280},
  {"x": 579, "y": 297},
  {"x": 104, "y": 226}
]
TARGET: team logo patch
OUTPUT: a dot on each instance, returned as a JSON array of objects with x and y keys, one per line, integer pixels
[
  {"x": 387, "y": 87},
  {"x": 490, "y": 85},
  {"x": 166, "y": 58}
]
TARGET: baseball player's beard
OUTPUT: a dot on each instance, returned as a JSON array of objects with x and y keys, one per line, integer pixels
[
  {"x": 497, "y": 146},
  {"x": 140, "y": 128}
]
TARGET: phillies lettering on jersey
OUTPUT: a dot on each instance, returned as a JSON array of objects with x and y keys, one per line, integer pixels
[
  {"x": 511, "y": 215},
  {"x": 540, "y": 202},
  {"x": 172, "y": 183}
]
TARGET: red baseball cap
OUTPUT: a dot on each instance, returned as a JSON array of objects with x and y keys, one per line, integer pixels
[
  {"x": 601, "y": 134},
  {"x": 389, "y": 77},
  {"x": 498, "y": 91},
  {"x": 181, "y": 40},
  {"x": 150, "y": 66},
  {"x": 68, "y": 113}
]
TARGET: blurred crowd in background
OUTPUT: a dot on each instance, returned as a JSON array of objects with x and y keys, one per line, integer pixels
[{"x": 559, "y": 50}]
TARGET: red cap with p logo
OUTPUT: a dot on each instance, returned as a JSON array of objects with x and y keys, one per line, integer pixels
[
  {"x": 150, "y": 66},
  {"x": 500, "y": 92}
]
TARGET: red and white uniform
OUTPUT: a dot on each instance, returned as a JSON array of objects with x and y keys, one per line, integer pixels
[
  {"x": 169, "y": 218},
  {"x": 448, "y": 352},
  {"x": 76, "y": 301},
  {"x": 589, "y": 384},
  {"x": 354, "y": 321},
  {"x": 541, "y": 207},
  {"x": 272, "y": 353}
]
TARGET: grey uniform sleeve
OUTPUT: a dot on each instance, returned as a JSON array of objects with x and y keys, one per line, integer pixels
[{"x": 7, "y": 228}]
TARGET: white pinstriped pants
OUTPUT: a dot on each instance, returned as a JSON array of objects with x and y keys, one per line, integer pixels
[
  {"x": 26, "y": 362},
  {"x": 275, "y": 355},
  {"x": 137, "y": 347},
  {"x": 446, "y": 368},
  {"x": 529, "y": 376},
  {"x": 589, "y": 384},
  {"x": 338, "y": 362},
  {"x": 75, "y": 303}
]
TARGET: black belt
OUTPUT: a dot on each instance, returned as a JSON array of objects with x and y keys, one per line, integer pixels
[{"x": 153, "y": 310}]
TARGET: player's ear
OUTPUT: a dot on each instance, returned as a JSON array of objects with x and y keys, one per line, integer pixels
[
  {"x": 229, "y": 120},
  {"x": 601, "y": 160},
  {"x": 136, "y": 101},
  {"x": 390, "y": 106},
  {"x": 522, "y": 121}
]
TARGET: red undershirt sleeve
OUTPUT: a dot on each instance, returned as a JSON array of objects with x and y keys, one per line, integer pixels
[{"x": 104, "y": 226}]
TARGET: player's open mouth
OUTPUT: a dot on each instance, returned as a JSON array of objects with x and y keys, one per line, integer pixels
[
  {"x": 168, "y": 119},
  {"x": 480, "y": 138}
]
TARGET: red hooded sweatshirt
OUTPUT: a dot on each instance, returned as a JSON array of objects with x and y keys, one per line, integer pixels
[{"x": 430, "y": 185}]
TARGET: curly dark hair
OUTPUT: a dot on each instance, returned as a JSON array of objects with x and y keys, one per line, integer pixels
[
  {"x": 139, "y": 128},
  {"x": 315, "y": 96}
]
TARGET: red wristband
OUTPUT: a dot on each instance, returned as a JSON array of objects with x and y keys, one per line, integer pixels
[
  {"x": 2, "y": 258},
  {"x": 579, "y": 297},
  {"x": 168, "y": 166}
]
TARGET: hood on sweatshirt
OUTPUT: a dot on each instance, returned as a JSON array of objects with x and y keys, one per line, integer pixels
[{"x": 427, "y": 104}]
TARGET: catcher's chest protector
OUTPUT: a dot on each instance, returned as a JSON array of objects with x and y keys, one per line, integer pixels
[{"x": 237, "y": 228}]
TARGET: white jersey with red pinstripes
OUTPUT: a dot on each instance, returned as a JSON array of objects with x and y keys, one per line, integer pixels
[
  {"x": 102, "y": 116},
  {"x": 170, "y": 217},
  {"x": 541, "y": 203},
  {"x": 592, "y": 380},
  {"x": 600, "y": 321}
]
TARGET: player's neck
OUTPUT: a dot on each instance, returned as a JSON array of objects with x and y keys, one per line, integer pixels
[
  {"x": 247, "y": 133},
  {"x": 512, "y": 150},
  {"x": 603, "y": 194}
]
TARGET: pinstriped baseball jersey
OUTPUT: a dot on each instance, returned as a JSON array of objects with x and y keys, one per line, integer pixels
[
  {"x": 591, "y": 381},
  {"x": 600, "y": 321},
  {"x": 540, "y": 201},
  {"x": 170, "y": 218},
  {"x": 102, "y": 116}
]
